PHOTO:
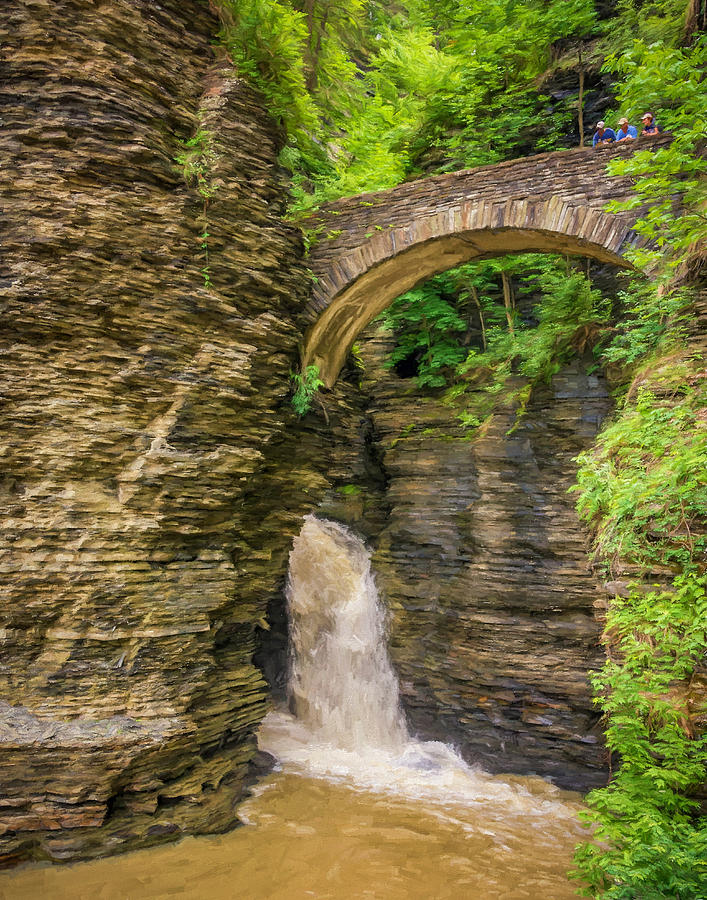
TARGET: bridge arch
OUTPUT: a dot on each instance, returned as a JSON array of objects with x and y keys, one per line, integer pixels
[{"x": 374, "y": 247}]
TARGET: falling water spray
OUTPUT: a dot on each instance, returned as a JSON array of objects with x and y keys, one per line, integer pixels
[{"x": 342, "y": 685}]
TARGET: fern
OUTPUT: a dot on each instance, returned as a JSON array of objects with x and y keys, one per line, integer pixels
[{"x": 306, "y": 385}]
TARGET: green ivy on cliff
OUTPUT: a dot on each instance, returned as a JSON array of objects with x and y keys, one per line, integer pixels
[
  {"x": 649, "y": 841},
  {"x": 196, "y": 159},
  {"x": 644, "y": 484}
]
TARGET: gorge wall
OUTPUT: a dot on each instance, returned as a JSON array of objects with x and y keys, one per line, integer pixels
[
  {"x": 154, "y": 474},
  {"x": 143, "y": 526}
]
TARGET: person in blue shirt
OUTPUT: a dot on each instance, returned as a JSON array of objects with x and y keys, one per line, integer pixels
[
  {"x": 626, "y": 132},
  {"x": 650, "y": 125},
  {"x": 603, "y": 135}
]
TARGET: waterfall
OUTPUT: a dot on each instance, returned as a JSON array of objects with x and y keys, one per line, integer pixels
[
  {"x": 345, "y": 721},
  {"x": 342, "y": 685}
]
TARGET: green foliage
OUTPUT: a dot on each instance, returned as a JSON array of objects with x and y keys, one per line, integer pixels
[
  {"x": 306, "y": 385},
  {"x": 649, "y": 842},
  {"x": 370, "y": 93},
  {"x": 649, "y": 319},
  {"x": 644, "y": 484},
  {"x": 349, "y": 490},
  {"x": 428, "y": 327},
  {"x": 206, "y": 268},
  {"x": 568, "y": 305},
  {"x": 643, "y": 489},
  {"x": 659, "y": 20},
  {"x": 435, "y": 324},
  {"x": 266, "y": 39},
  {"x": 567, "y": 318},
  {"x": 196, "y": 158},
  {"x": 670, "y": 83},
  {"x": 500, "y": 49}
]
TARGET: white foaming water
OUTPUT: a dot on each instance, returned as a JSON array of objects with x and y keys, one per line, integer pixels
[
  {"x": 341, "y": 683},
  {"x": 347, "y": 724}
]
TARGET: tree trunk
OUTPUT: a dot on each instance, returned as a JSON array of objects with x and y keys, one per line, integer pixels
[
  {"x": 580, "y": 99},
  {"x": 508, "y": 301},
  {"x": 318, "y": 48},
  {"x": 475, "y": 298},
  {"x": 695, "y": 20},
  {"x": 311, "y": 75}
]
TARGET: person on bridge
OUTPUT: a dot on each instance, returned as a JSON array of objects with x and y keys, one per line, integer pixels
[
  {"x": 603, "y": 135},
  {"x": 626, "y": 132},
  {"x": 650, "y": 125}
]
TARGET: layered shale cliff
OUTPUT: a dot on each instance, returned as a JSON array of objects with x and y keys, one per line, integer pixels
[
  {"x": 484, "y": 565},
  {"x": 141, "y": 408}
]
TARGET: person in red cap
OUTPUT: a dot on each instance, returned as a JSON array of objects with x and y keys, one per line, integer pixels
[{"x": 649, "y": 123}]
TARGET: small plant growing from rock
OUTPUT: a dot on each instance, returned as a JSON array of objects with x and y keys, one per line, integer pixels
[
  {"x": 306, "y": 384},
  {"x": 196, "y": 160}
]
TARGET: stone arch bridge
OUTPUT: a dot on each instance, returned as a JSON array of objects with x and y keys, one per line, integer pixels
[{"x": 373, "y": 247}]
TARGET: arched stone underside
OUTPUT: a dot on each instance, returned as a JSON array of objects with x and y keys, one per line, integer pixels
[
  {"x": 374, "y": 247},
  {"x": 371, "y": 291}
]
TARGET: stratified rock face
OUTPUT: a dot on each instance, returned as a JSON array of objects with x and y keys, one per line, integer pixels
[
  {"x": 484, "y": 564},
  {"x": 153, "y": 476},
  {"x": 140, "y": 400}
]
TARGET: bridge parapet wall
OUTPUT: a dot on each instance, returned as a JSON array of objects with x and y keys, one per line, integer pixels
[{"x": 577, "y": 177}]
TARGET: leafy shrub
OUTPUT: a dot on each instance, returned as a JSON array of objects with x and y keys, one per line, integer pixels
[
  {"x": 306, "y": 386},
  {"x": 648, "y": 841},
  {"x": 427, "y": 327},
  {"x": 196, "y": 158},
  {"x": 649, "y": 319},
  {"x": 643, "y": 489},
  {"x": 266, "y": 40},
  {"x": 435, "y": 323}
]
